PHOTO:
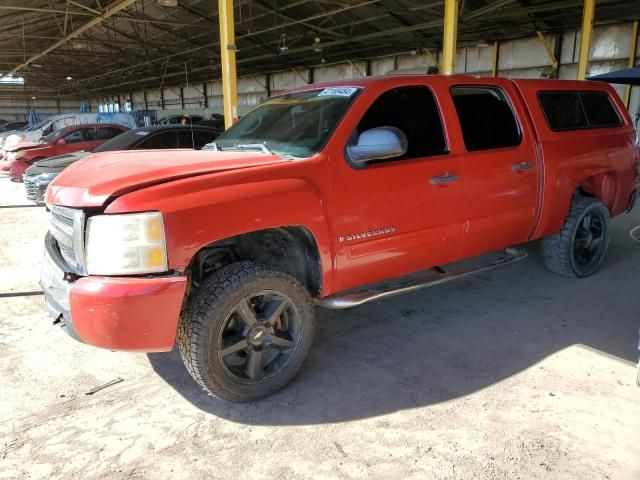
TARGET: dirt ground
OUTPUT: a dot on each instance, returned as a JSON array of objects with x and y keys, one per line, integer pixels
[{"x": 513, "y": 374}]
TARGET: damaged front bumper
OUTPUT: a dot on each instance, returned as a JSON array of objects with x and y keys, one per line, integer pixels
[{"x": 138, "y": 314}]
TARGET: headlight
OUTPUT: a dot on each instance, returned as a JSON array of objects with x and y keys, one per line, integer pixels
[
  {"x": 16, "y": 155},
  {"x": 45, "y": 177},
  {"x": 126, "y": 244},
  {"x": 12, "y": 140}
]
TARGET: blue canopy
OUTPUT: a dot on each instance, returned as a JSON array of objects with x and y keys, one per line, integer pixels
[
  {"x": 627, "y": 76},
  {"x": 34, "y": 118}
]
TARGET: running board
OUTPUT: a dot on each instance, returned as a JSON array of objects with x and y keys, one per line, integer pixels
[{"x": 354, "y": 298}]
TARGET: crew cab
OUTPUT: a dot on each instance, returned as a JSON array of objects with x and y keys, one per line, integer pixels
[
  {"x": 66, "y": 140},
  {"x": 334, "y": 195}
]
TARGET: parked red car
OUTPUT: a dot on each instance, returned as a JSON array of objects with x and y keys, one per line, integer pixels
[{"x": 66, "y": 140}]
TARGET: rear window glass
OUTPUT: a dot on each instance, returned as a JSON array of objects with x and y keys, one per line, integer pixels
[
  {"x": 578, "y": 110},
  {"x": 599, "y": 109},
  {"x": 486, "y": 118}
]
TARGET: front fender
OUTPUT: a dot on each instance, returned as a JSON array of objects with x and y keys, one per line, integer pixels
[{"x": 201, "y": 210}]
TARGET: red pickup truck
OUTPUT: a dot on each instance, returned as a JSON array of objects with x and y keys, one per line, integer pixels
[{"x": 334, "y": 194}]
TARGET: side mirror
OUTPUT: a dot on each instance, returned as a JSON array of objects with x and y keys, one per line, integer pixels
[
  {"x": 62, "y": 141},
  {"x": 377, "y": 144}
]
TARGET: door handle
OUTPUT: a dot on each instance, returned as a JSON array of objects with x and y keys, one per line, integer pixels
[
  {"x": 522, "y": 166},
  {"x": 446, "y": 178}
]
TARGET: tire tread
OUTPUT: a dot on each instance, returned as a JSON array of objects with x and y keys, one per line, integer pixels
[
  {"x": 556, "y": 249},
  {"x": 195, "y": 325}
]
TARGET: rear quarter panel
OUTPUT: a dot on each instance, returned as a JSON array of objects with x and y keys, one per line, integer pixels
[{"x": 602, "y": 161}]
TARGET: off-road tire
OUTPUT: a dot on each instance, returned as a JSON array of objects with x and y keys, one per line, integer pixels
[
  {"x": 205, "y": 315},
  {"x": 558, "y": 249}
]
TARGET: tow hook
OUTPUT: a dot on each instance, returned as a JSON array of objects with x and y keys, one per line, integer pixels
[{"x": 70, "y": 277}]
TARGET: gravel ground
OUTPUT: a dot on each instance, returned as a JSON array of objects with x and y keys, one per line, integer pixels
[{"x": 516, "y": 374}]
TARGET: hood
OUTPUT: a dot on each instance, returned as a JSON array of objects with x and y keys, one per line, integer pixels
[
  {"x": 8, "y": 133},
  {"x": 100, "y": 176},
  {"x": 57, "y": 163},
  {"x": 26, "y": 145},
  {"x": 32, "y": 136},
  {"x": 21, "y": 137}
]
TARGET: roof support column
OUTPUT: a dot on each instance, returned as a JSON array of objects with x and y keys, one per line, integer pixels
[
  {"x": 449, "y": 37},
  {"x": 585, "y": 37},
  {"x": 495, "y": 58},
  {"x": 228, "y": 58},
  {"x": 632, "y": 60}
]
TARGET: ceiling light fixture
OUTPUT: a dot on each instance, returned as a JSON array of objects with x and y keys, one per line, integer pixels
[
  {"x": 282, "y": 43},
  {"x": 168, "y": 3},
  {"x": 69, "y": 78}
]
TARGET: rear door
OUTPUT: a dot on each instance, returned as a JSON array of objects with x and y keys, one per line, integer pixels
[{"x": 500, "y": 165}]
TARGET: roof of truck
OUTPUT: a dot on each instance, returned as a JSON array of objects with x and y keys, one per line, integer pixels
[{"x": 453, "y": 79}]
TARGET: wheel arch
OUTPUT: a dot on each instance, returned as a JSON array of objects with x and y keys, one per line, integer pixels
[
  {"x": 602, "y": 186},
  {"x": 290, "y": 248}
]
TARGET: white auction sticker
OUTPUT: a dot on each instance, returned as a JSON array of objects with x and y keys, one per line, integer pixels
[{"x": 338, "y": 92}]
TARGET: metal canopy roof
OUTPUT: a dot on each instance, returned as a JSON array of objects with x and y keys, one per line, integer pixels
[
  {"x": 627, "y": 76},
  {"x": 128, "y": 44}
]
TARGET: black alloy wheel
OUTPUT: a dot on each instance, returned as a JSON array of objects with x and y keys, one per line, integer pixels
[
  {"x": 588, "y": 239},
  {"x": 259, "y": 336}
]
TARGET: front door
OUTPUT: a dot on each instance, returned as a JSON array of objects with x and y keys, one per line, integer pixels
[
  {"x": 399, "y": 215},
  {"x": 78, "y": 140},
  {"x": 500, "y": 164}
]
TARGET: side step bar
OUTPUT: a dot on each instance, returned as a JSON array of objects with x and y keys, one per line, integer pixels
[{"x": 429, "y": 278}]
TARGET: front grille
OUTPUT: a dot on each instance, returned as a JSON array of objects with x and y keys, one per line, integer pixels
[
  {"x": 61, "y": 219},
  {"x": 32, "y": 188},
  {"x": 67, "y": 226}
]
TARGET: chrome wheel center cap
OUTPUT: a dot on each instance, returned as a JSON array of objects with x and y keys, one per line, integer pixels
[{"x": 258, "y": 336}]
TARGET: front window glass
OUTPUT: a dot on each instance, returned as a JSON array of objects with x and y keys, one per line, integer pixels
[
  {"x": 414, "y": 111},
  {"x": 74, "y": 137},
  {"x": 296, "y": 124}
]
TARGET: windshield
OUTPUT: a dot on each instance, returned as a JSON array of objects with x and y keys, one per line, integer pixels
[
  {"x": 52, "y": 137},
  {"x": 37, "y": 126},
  {"x": 124, "y": 141},
  {"x": 296, "y": 124}
]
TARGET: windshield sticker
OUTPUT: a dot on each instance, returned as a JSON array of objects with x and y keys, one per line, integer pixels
[
  {"x": 142, "y": 132},
  {"x": 338, "y": 92}
]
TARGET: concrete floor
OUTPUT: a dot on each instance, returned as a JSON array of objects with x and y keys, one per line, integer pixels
[{"x": 517, "y": 373}]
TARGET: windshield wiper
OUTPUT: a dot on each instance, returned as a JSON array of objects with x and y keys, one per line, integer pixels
[
  {"x": 239, "y": 148},
  {"x": 248, "y": 146}
]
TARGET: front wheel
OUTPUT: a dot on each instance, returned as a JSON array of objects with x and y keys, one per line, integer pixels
[
  {"x": 580, "y": 247},
  {"x": 246, "y": 331}
]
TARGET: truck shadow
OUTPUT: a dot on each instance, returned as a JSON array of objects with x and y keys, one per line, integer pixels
[{"x": 445, "y": 342}]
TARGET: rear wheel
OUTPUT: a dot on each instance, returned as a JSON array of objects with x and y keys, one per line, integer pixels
[
  {"x": 246, "y": 332},
  {"x": 580, "y": 247}
]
